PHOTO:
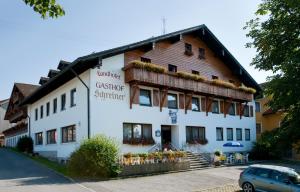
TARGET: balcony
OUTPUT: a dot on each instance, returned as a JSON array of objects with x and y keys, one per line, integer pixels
[{"x": 142, "y": 76}]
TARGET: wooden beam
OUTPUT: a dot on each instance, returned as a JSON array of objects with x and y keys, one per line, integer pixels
[
  {"x": 208, "y": 104},
  {"x": 133, "y": 90},
  {"x": 189, "y": 101},
  {"x": 227, "y": 106},
  {"x": 164, "y": 93}
]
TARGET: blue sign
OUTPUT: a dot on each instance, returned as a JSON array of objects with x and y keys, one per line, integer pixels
[{"x": 157, "y": 133}]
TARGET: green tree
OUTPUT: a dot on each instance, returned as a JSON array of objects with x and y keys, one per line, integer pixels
[
  {"x": 275, "y": 33},
  {"x": 46, "y": 8}
]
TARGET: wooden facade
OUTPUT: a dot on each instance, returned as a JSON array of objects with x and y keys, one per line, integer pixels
[{"x": 16, "y": 114}]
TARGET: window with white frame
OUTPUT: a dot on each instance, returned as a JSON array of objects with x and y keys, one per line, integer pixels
[
  {"x": 39, "y": 138},
  {"x": 68, "y": 134},
  {"x": 73, "y": 97},
  {"x": 145, "y": 97},
  {"x": 247, "y": 134},
  {"x": 51, "y": 136},
  {"x": 229, "y": 133},
  {"x": 219, "y": 132},
  {"x": 215, "y": 106},
  {"x": 195, "y": 104},
  {"x": 239, "y": 134},
  {"x": 172, "y": 101},
  {"x": 257, "y": 106},
  {"x": 134, "y": 133}
]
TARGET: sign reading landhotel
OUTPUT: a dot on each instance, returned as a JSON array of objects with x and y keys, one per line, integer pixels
[{"x": 109, "y": 86}]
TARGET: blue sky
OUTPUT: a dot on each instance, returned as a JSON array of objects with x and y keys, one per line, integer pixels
[{"x": 30, "y": 46}]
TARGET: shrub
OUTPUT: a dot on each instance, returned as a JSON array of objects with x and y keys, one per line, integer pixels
[
  {"x": 270, "y": 145},
  {"x": 95, "y": 158},
  {"x": 25, "y": 144}
]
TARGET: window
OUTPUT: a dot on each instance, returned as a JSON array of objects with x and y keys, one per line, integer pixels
[
  {"x": 146, "y": 60},
  {"x": 145, "y": 97},
  {"x": 201, "y": 53},
  {"x": 215, "y": 106},
  {"x": 47, "y": 108},
  {"x": 247, "y": 134},
  {"x": 188, "y": 49},
  {"x": 195, "y": 134},
  {"x": 214, "y": 77},
  {"x": 39, "y": 138},
  {"x": 262, "y": 172},
  {"x": 229, "y": 134},
  {"x": 36, "y": 114},
  {"x": 137, "y": 133},
  {"x": 246, "y": 111},
  {"x": 63, "y": 102},
  {"x": 195, "y": 104},
  {"x": 195, "y": 72},
  {"x": 68, "y": 134},
  {"x": 219, "y": 131},
  {"x": 42, "y": 111},
  {"x": 54, "y": 105},
  {"x": 258, "y": 128},
  {"x": 172, "y": 101},
  {"x": 231, "y": 110},
  {"x": 239, "y": 136},
  {"x": 51, "y": 136},
  {"x": 257, "y": 106},
  {"x": 73, "y": 95},
  {"x": 278, "y": 176},
  {"x": 172, "y": 68}
]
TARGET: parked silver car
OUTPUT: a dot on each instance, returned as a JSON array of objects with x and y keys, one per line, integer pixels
[{"x": 269, "y": 178}]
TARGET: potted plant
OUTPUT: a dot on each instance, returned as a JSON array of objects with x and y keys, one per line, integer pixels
[{"x": 217, "y": 158}]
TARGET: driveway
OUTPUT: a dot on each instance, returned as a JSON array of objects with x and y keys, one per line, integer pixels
[
  {"x": 223, "y": 179},
  {"x": 21, "y": 174}
]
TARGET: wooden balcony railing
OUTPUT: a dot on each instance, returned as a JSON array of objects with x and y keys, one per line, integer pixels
[{"x": 173, "y": 82}]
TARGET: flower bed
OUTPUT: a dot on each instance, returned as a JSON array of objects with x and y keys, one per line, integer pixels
[
  {"x": 155, "y": 162},
  {"x": 154, "y": 157}
]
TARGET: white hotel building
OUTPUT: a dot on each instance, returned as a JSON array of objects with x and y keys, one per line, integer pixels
[{"x": 103, "y": 93}]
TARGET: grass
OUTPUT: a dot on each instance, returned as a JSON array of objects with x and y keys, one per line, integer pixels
[{"x": 60, "y": 168}]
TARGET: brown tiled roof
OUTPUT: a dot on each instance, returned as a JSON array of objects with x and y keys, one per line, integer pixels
[{"x": 26, "y": 89}]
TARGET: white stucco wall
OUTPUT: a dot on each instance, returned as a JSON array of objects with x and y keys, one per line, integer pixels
[
  {"x": 108, "y": 115},
  {"x": 76, "y": 115}
]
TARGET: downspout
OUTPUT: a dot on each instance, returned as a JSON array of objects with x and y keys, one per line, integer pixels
[
  {"x": 29, "y": 122},
  {"x": 88, "y": 100}
]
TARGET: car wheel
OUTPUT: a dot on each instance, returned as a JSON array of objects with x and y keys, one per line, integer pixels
[{"x": 248, "y": 187}]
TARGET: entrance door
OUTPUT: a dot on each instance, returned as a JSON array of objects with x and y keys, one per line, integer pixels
[{"x": 166, "y": 136}]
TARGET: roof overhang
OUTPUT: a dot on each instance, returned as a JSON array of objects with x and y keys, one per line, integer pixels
[{"x": 84, "y": 63}]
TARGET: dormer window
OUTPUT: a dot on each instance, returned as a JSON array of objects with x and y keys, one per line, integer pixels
[
  {"x": 195, "y": 72},
  {"x": 146, "y": 60},
  {"x": 201, "y": 53},
  {"x": 214, "y": 77},
  {"x": 172, "y": 68},
  {"x": 188, "y": 49}
]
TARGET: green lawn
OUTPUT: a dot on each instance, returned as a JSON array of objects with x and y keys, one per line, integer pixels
[{"x": 60, "y": 168}]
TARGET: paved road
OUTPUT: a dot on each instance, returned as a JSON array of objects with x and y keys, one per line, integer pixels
[{"x": 21, "y": 174}]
